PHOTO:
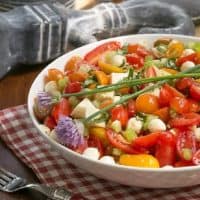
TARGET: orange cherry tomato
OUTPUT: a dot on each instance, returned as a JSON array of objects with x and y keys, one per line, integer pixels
[
  {"x": 140, "y": 160},
  {"x": 180, "y": 105},
  {"x": 138, "y": 49},
  {"x": 175, "y": 49},
  {"x": 163, "y": 113},
  {"x": 72, "y": 63},
  {"x": 147, "y": 103},
  {"x": 54, "y": 74}
]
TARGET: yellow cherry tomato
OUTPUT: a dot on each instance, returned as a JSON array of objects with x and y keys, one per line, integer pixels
[
  {"x": 147, "y": 103},
  {"x": 139, "y": 160},
  {"x": 175, "y": 49},
  {"x": 54, "y": 74},
  {"x": 169, "y": 70},
  {"x": 99, "y": 132}
]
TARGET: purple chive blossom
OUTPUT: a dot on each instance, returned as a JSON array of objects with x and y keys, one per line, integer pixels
[
  {"x": 44, "y": 100},
  {"x": 68, "y": 133}
]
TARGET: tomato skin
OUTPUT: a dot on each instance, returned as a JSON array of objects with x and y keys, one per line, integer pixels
[
  {"x": 186, "y": 120},
  {"x": 147, "y": 140},
  {"x": 131, "y": 108},
  {"x": 147, "y": 103},
  {"x": 62, "y": 108},
  {"x": 135, "y": 60},
  {"x": 183, "y": 163},
  {"x": 185, "y": 140},
  {"x": 73, "y": 87},
  {"x": 181, "y": 60},
  {"x": 120, "y": 113},
  {"x": 49, "y": 122},
  {"x": 119, "y": 142},
  {"x": 184, "y": 83},
  {"x": 94, "y": 141},
  {"x": 196, "y": 158},
  {"x": 163, "y": 113},
  {"x": 195, "y": 91},
  {"x": 194, "y": 105},
  {"x": 180, "y": 105},
  {"x": 166, "y": 149},
  {"x": 138, "y": 49},
  {"x": 93, "y": 56}
]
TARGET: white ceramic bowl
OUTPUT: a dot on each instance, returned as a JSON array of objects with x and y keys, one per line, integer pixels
[{"x": 132, "y": 176}]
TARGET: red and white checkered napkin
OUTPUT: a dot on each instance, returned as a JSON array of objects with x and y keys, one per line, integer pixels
[{"x": 18, "y": 132}]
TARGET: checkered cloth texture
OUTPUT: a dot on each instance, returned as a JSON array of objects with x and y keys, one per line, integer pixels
[{"x": 20, "y": 135}]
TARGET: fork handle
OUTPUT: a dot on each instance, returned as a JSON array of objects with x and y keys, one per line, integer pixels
[{"x": 52, "y": 192}]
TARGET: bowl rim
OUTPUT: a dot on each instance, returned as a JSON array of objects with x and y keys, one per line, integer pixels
[{"x": 114, "y": 166}]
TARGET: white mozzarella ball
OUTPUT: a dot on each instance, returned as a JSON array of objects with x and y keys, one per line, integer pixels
[
  {"x": 156, "y": 125},
  {"x": 187, "y": 52},
  {"x": 92, "y": 153},
  {"x": 107, "y": 159},
  {"x": 168, "y": 167},
  {"x": 197, "y": 133},
  {"x": 135, "y": 124},
  {"x": 187, "y": 65}
]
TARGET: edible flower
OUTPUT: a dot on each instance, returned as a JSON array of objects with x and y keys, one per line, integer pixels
[
  {"x": 44, "y": 100},
  {"x": 68, "y": 133}
]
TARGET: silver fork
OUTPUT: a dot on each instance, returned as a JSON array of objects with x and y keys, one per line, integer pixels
[{"x": 11, "y": 183}]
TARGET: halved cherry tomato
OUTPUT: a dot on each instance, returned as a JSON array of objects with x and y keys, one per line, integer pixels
[
  {"x": 73, "y": 87},
  {"x": 120, "y": 113},
  {"x": 147, "y": 140},
  {"x": 93, "y": 56},
  {"x": 150, "y": 72},
  {"x": 183, "y": 163},
  {"x": 196, "y": 158},
  {"x": 194, "y": 105},
  {"x": 166, "y": 149},
  {"x": 54, "y": 74},
  {"x": 195, "y": 91},
  {"x": 72, "y": 63},
  {"x": 186, "y": 144},
  {"x": 119, "y": 142},
  {"x": 77, "y": 76},
  {"x": 138, "y": 49},
  {"x": 147, "y": 103},
  {"x": 173, "y": 91},
  {"x": 163, "y": 113},
  {"x": 135, "y": 60},
  {"x": 180, "y": 105},
  {"x": 140, "y": 160},
  {"x": 62, "y": 108},
  {"x": 49, "y": 122},
  {"x": 175, "y": 49},
  {"x": 94, "y": 141},
  {"x": 184, "y": 83},
  {"x": 181, "y": 60},
  {"x": 131, "y": 108},
  {"x": 186, "y": 120}
]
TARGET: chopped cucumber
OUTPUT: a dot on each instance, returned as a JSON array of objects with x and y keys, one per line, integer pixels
[{"x": 129, "y": 134}]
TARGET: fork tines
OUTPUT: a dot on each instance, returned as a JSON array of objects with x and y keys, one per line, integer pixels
[{"x": 9, "y": 181}]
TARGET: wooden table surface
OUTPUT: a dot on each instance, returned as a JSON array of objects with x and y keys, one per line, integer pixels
[{"x": 13, "y": 91}]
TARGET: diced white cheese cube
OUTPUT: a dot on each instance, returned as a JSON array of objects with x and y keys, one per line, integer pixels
[
  {"x": 116, "y": 125},
  {"x": 135, "y": 124},
  {"x": 116, "y": 98},
  {"x": 107, "y": 159},
  {"x": 187, "y": 65},
  {"x": 187, "y": 52},
  {"x": 156, "y": 125},
  {"x": 91, "y": 153},
  {"x": 197, "y": 133},
  {"x": 84, "y": 109},
  {"x": 116, "y": 77}
]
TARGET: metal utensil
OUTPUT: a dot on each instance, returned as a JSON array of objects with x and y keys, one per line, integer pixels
[{"x": 12, "y": 183}]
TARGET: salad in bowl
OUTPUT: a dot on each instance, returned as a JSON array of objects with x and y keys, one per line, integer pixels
[{"x": 125, "y": 103}]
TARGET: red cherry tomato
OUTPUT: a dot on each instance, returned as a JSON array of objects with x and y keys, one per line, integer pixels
[
  {"x": 181, "y": 60},
  {"x": 93, "y": 56},
  {"x": 180, "y": 105},
  {"x": 194, "y": 105},
  {"x": 183, "y": 163},
  {"x": 195, "y": 91},
  {"x": 94, "y": 141},
  {"x": 186, "y": 120},
  {"x": 150, "y": 72},
  {"x": 131, "y": 108},
  {"x": 119, "y": 142},
  {"x": 138, "y": 49},
  {"x": 120, "y": 113},
  {"x": 73, "y": 87},
  {"x": 186, "y": 144},
  {"x": 147, "y": 140},
  {"x": 184, "y": 83},
  {"x": 135, "y": 60},
  {"x": 62, "y": 108},
  {"x": 49, "y": 122},
  {"x": 166, "y": 149}
]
